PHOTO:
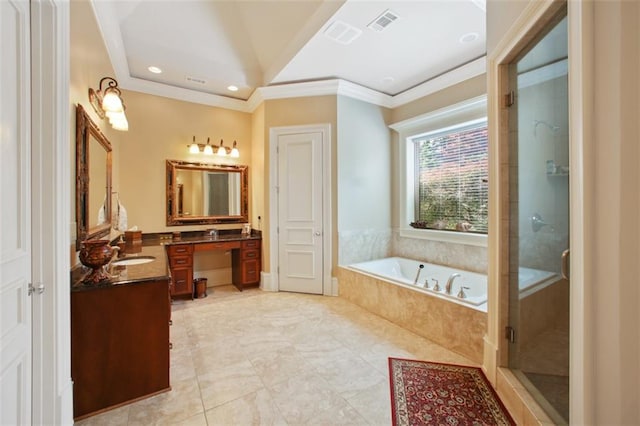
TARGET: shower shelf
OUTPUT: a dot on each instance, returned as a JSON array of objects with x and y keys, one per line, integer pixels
[{"x": 557, "y": 174}]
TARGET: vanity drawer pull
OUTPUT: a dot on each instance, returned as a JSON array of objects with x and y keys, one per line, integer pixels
[
  {"x": 180, "y": 249},
  {"x": 251, "y": 244},
  {"x": 251, "y": 254},
  {"x": 180, "y": 261}
]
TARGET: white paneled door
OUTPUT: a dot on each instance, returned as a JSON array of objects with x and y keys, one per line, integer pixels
[
  {"x": 15, "y": 217},
  {"x": 300, "y": 212}
]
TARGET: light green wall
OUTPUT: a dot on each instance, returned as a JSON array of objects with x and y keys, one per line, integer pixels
[{"x": 364, "y": 166}]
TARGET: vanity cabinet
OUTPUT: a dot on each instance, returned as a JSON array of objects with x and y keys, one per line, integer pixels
[
  {"x": 119, "y": 344},
  {"x": 181, "y": 267},
  {"x": 245, "y": 260},
  {"x": 246, "y": 264}
]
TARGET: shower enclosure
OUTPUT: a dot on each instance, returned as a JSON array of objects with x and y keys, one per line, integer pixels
[{"x": 539, "y": 220}]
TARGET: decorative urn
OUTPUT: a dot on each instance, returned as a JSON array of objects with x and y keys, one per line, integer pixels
[{"x": 95, "y": 254}]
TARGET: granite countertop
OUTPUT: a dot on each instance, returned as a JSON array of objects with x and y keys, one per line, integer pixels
[
  {"x": 127, "y": 274},
  {"x": 199, "y": 237}
]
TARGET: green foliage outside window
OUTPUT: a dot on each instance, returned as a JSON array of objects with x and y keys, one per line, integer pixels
[{"x": 452, "y": 180}]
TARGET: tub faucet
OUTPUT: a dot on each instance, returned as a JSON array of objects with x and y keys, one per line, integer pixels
[
  {"x": 452, "y": 277},
  {"x": 415, "y": 282}
]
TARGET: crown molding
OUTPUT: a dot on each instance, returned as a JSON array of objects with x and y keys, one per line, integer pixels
[
  {"x": 108, "y": 23},
  {"x": 457, "y": 75},
  {"x": 182, "y": 94}
]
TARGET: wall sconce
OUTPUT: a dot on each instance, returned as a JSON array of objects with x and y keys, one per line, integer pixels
[
  {"x": 108, "y": 102},
  {"x": 219, "y": 150}
]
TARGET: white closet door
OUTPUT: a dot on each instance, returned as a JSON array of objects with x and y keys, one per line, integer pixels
[
  {"x": 300, "y": 212},
  {"x": 15, "y": 215}
]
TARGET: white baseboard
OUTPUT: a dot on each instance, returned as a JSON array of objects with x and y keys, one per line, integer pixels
[
  {"x": 334, "y": 286},
  {"x": 267, "y": 282}
]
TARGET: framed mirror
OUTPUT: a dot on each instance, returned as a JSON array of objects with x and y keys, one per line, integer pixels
[
  {"x": 93, "y": 180},
  {"x": 201, "y": 193}
]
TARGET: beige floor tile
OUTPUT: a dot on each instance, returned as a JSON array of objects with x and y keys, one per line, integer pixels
[
  {"x": 181, "y": 403},
  {"x": 198, "y": 420},
  {"x": 226, "y": 383},
  {"x": 374, "y": 403},
  {"x": 308, "y": 399},
  {"x": 253, "y": 409},
  {"x": 276, "y": 366},
  {"x": 115, "y": 417},
  {"x": 349, "y": 375}
]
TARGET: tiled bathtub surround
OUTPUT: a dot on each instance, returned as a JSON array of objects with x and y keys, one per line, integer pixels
[
  {"x": 456, "y": 327},
  {"x": 363, "y": 245},
  {"x": 469, "y": 258}
]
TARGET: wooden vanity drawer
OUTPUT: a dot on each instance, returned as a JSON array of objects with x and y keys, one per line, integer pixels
[
  {"x": 176, "y": 250},
  {"x": 180, "y": 261},
  {"x": 182, "y": 281},
  {"x": 218, "y": 245},
  {"x": 250, "y": 254},
  {"x": 251, "y": 271},
  {"x": 251, "y": 244}
]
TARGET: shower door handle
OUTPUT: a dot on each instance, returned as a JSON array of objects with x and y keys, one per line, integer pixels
[{"x": 565, "y": 264}]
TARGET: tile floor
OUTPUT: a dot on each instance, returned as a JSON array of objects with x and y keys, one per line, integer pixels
[{"x": 258, "y": 358}]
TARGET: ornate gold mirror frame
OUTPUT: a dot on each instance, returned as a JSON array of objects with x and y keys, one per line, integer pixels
[
  {"x": 201, "y": 193},
  {"x": 96, "y": 203}
]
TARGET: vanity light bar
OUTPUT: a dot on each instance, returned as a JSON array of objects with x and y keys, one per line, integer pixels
[{"x": 208, "y": 149}]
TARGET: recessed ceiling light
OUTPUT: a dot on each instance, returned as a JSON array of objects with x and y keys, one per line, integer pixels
[
  {"x": 155, "y": 70},
  {"x": 233, "y": 88},
  {"x": 469, "y": 37}
]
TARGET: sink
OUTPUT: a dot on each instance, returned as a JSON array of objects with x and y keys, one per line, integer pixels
[{"x": 138, "y": 260}]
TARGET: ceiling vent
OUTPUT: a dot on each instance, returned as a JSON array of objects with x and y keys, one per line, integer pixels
[
  {"x": 383, "y": 21},
  {"x": 342, "y": 32},
  {"x": 196, "y": 80}
]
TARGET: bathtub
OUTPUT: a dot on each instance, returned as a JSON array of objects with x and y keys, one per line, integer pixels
[
  {"x": 403, "y": 272},
  {"x": 385, "y": 287}
]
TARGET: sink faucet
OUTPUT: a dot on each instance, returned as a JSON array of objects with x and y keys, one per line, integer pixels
[{"x": 447, "y": 287}]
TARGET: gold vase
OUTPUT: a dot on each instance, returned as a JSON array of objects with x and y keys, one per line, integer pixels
[{"x": 95, "y": 254}]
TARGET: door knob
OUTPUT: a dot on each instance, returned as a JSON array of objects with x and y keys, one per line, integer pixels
[{"x": 317, "y": 233}]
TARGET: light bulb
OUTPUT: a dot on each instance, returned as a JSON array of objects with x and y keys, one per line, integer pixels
[
  {"x": 121, "y": 124},
  {"x": 222, "y": 151},
  {"x": 208, "y": 149},
  {"x": 194, "y": 148},
  {"x": 111, "y": 102},
  {"x": 234, "y": 151}
]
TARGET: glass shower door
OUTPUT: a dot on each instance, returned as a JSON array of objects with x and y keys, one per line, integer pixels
[{"x": 539, "y": 222}]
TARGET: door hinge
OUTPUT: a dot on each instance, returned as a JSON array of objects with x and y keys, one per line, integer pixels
[
  {"x": 510, "y": 334},
  {"x": 31, "y": 289},
  {"x": 510, "y": 99}
]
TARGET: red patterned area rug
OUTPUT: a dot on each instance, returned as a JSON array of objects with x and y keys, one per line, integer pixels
[{"x": 430, "y": 393}]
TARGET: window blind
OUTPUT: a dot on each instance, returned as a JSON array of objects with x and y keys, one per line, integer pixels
[{"x": 452, "y": 179}]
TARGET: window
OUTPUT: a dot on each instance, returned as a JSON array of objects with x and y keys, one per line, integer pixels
[
  {"x": 443, "y": 174},
  {"x": 451, "y": 172}
]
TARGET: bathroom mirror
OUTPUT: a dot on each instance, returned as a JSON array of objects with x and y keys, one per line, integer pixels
[
  {"x": 93, "y": 179},
  {"x": 201, "y": 193}
]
